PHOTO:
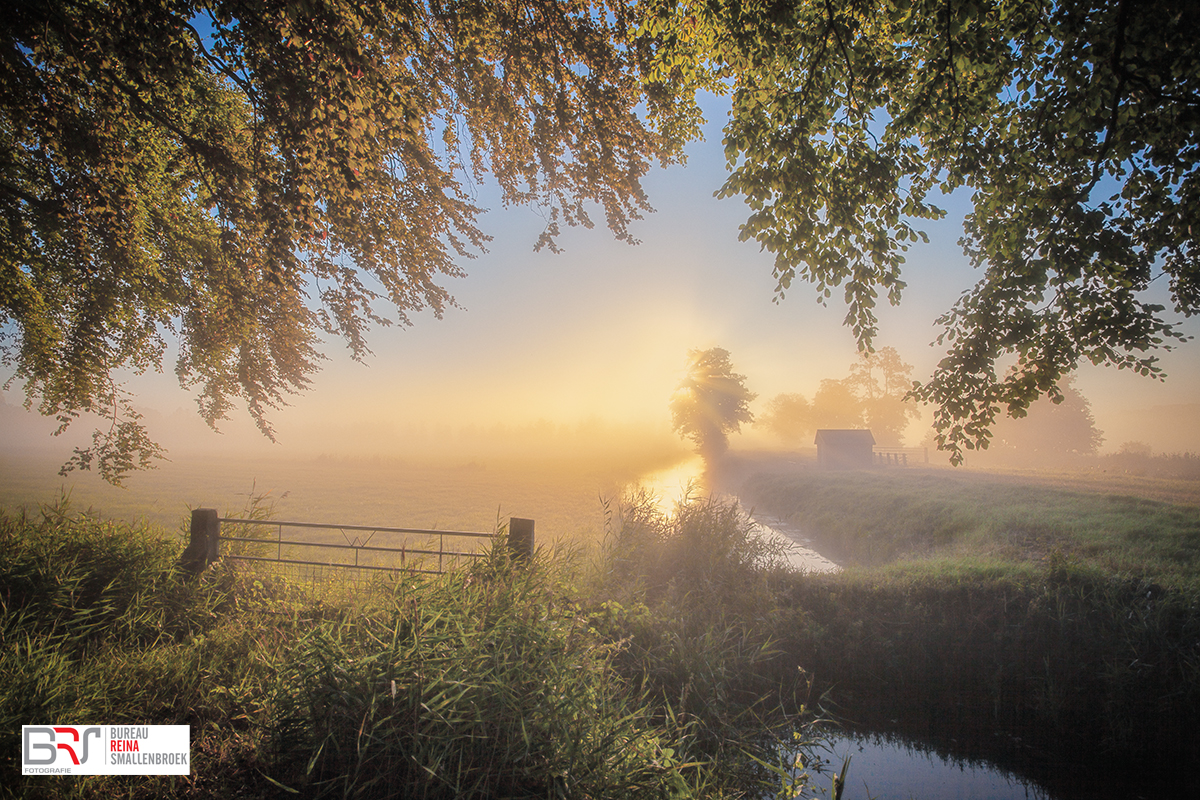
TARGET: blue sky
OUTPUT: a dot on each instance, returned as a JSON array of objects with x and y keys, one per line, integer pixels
[{"x": 602, "y": 329}]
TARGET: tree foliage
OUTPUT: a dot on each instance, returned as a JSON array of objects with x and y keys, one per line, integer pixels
[
  {"x": 712, "y": 401},
  {"x": 1072, "y": 124},
  {"x": 835, "y": 405},
  {"x": 247, "y": 176},
  {"x": 882, "y": 380},
  {"x": 1048, "y": 433},
  {"x": 790, "y": 417},
  {"x": 874, "y": 395}
]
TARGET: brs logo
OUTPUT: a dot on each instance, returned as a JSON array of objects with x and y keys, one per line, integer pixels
[{"x": 68, "y": 739}]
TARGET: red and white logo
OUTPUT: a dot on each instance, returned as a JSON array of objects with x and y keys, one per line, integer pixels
[{"x": 106, "y": 749}]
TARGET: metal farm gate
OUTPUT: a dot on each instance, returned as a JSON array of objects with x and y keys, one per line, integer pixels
[{"x": 214, "y": 537}]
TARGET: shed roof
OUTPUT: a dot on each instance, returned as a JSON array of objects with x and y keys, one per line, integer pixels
[{"x": 845, "y": 437}]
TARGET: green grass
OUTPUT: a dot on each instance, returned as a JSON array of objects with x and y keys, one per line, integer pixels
[
  {"x": 1070, "y": 658},
  {"x": 494, "y": 681},
  {"x": 976, "y": 604},
  {"x": 660, "y": 663},
  {"x": 878, "y": 517}
]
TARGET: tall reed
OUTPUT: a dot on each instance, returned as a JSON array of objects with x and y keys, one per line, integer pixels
[{"x": 502, "y": 680}]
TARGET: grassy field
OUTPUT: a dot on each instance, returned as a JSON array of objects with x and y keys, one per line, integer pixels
[
  {"x": 562, "y": 495},
  {"x": 1060, "y": 610},
  {"x": 1051, "y": 617},
  {"x": 1117, "y": 523},
  {"x": 582, "y": 675}
]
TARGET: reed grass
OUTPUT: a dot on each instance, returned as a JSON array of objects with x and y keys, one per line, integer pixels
[
  {"x": 500, "y": 680},
  {"x": 691, "y": 595}
]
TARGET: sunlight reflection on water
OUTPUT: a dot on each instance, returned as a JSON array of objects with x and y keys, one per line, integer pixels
[
  {"x": 674, "y": 484},
  {"x": 686, "y": 479}
]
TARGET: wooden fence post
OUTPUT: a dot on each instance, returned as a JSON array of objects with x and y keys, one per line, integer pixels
[
  {"x": 205, "y": 544},
  {"x": 520, "y": 539}
]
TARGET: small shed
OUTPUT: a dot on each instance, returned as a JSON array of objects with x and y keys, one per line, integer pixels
[{"x": 845, "y": 449}]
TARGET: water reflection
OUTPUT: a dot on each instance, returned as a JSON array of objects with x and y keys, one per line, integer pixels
[
  {"x": 675, "y": 484},
  {"x": 887, "y": 768},
  {"x": 799, "y": 551},
  {"x": 689, "y": 479}
]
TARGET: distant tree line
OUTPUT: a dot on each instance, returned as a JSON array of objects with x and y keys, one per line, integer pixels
[
  {"x": 713, "y": 401},
  {"x": 872, "y": 396},
  {"x": 1048, "y": 433},
  {"x": 1138, "y": 458}
]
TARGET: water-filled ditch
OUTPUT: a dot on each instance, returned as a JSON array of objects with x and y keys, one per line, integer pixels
[
  {"x": 890, "y": 760},
  {"x": 907, "y": 758},
  {"x": 897, "y": 765},
  {"x": 882, "y": 767}
]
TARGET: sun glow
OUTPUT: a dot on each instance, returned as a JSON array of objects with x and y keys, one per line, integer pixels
[{"x": 675, "y": 484}]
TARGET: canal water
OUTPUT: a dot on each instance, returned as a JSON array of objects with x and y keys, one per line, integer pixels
[
  {"x": 686, "y": 479},
  {"x": 881, "y": 766}
]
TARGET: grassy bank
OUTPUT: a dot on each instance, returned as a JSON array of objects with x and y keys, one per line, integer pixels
[
  {"x": 1068, "y": 620},
  {"x": 656, "y": 664},
  {"x": 875, "y": 517},
  {"x": 574, "y": 677}
]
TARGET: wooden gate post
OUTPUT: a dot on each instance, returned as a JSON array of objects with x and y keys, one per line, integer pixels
[
  {"x": 205, "y": 544},
  {"x": 520, "y": 539}
]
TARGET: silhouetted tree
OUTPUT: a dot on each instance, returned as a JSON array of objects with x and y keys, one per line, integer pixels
[
  {"x": 711, "y": 402},
  {"x": 881, "y": 380},
  {"x": 1049, "y": 433},
  {"x": 835, "y": 405},
  {"x": 872, "y": 396},
  {"x": 790, "y": 417}
]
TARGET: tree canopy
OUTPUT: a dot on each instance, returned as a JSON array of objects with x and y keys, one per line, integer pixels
[
  {"x": 246, "y": 176},
  {"x": 712, "y": 401},
  {"x": 1072, "y": 123},
  {"x": 789, "y": 416}
]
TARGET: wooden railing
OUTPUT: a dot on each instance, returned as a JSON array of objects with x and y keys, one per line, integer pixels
[{"x": 899, "y": 456}]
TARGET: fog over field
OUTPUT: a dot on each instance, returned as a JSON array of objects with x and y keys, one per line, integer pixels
[{"x": 578, "y": 353}]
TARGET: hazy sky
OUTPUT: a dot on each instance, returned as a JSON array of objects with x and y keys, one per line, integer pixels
[{"x": 602, "y": 329}]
